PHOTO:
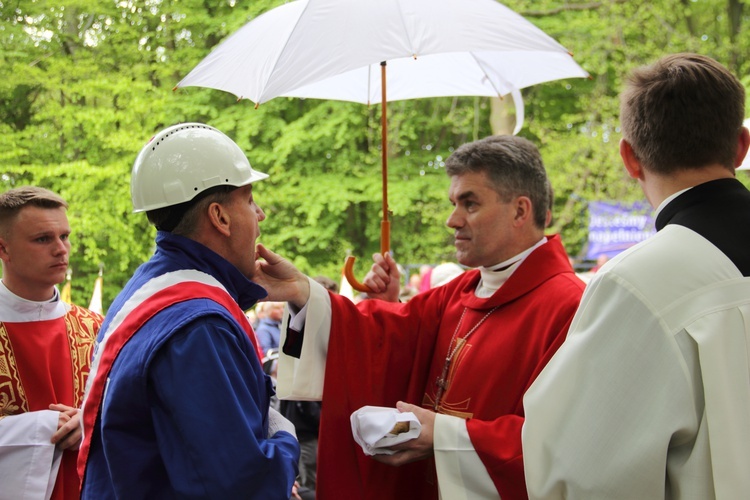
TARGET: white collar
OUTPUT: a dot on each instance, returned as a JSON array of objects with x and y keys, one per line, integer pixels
[
  {"x": 668, "y": 200},
  {"x": 15, "y": 309},
  {"x": 492, "y": 280}
]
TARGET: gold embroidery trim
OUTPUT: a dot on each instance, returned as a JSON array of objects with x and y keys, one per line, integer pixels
[
  {"x": 82, "y": 326},
  {"x": 445, "y": 407},
  {"x": 12, "y": 396}
]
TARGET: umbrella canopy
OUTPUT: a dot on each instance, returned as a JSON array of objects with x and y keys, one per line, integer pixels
[
  {"x": 491, "y": 74},
  {"x": 338, "y": 49},
  {"x": 331, "y": 49}
]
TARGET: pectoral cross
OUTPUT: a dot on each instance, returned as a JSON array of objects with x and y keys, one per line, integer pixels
[{"x": 442, "y": 383}]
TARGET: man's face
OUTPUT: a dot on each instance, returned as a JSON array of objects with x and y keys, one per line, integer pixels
[
  {"x": 245, "y": 216},
  {"x": 482, "y": 222},
  {"x": 276, "y": 312},
  {"x": 35, "y": 252}
]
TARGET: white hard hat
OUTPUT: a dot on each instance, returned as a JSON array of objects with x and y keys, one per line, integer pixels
[
  {"x": 184, "y": 160},
  {"x": 444, "y": 273}
]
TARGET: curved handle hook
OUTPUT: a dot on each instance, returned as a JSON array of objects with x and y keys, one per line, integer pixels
[
  {"x": 385, "y": 246},
  {"x": 349, "y": 275}
]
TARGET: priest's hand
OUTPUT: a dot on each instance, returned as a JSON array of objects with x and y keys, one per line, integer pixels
[
  {"x": 414, "y": 449},
  {"x": 282, "y": 281},
  {"x": 383, "y": 278},
  {"x": 68, "y": 434}
]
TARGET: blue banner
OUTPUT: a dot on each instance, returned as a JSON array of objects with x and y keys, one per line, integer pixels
[{"x": 614, "y": 226}]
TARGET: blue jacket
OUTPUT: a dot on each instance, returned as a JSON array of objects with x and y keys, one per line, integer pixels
[
  {"x": 185, "y": 410},
  {"x": 268, "y": 333}
]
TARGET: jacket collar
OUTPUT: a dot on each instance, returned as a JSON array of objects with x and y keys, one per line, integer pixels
[
  {"x": 178, "y": 252},
  {"x": 694, "y": 195}
]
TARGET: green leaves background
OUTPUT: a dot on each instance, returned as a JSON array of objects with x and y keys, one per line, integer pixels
[{"x": 85, "y": 83}]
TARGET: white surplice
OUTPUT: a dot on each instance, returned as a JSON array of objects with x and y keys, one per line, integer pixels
[
  {"x": 649, "y": 396},
  {"x": 28, "y": 461}
]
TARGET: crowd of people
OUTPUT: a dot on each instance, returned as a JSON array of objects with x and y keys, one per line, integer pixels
[{"x": 222, "y": 371}]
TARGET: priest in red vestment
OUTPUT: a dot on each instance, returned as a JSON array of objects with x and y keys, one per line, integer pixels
[
  {"x": 460, "y": 356},
  {"x": 45, "y": 350}
]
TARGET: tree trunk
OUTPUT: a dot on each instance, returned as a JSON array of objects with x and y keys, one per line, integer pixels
[{"x": 502, "y": 115}]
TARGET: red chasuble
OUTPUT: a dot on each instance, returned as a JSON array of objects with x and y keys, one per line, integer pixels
[
  {"x": 380, "y": 353},
  {"x": 46, "y": 362}
]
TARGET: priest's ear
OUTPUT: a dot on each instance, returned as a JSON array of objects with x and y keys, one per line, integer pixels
[
  {"x": 3, "y": 252},
  {"x": 743, "y": 142},
  {"x": 524, "y": 210},
  {"x": 630, "y": 160}
]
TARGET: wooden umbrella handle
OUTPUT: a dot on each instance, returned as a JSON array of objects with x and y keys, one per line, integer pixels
[
  {"x": 349, "y": 275},
  {"x": 385, "y": 239},
  {"x": 385, "y": 225}
]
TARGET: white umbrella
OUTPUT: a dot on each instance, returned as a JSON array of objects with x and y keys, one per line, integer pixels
[
  {"x": 485, "y": 49},
  {"x": 331, "y": 49}
]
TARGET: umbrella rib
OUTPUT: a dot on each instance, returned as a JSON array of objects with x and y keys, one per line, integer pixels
[
  {"x": 276, "y": 62},
  {"x": 492, "y": 84},
  {"x": 369, "y": 83},
  {"x": 517, "y": 99},
  {"x": 403, "y": 24}
]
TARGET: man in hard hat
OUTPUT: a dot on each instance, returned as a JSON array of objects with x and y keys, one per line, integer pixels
[{"x": 178, "y": 403}]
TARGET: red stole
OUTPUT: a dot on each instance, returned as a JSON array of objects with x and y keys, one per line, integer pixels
[
  {"x": 47, "y": 362},
  {"x": 116, "y": 338}
]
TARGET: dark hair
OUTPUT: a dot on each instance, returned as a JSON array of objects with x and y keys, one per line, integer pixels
[
  {"x": 327, "y": 283},
  {"x": 12, "y": 201},
  {"x": 682, "y": 112},
  {"x": 513, "y": 165},
  {"x": 182, "y": 219}
]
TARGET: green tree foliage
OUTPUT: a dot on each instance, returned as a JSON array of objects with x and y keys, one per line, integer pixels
[{"x": 85, "y": 83}]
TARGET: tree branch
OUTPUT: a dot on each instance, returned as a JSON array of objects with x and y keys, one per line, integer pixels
[{"x": 565, "y": 8}]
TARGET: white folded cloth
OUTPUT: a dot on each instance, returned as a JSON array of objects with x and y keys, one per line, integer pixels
[
  {"x": 371, "y": 426},
  {"x": 28, "y": 461}
]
